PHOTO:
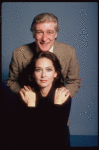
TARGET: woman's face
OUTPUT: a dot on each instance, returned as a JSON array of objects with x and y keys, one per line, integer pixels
[{"x": 44, "y": 73}]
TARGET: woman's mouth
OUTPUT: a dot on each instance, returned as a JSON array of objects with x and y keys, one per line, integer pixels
[{"x": 43, "y": 81}]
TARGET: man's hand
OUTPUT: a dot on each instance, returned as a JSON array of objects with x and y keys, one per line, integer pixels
[
  {"x": 61, "y": 95},
  {"x": 28, "y": 96}
]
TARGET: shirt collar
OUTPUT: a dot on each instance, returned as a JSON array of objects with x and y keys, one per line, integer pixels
[{"x": 51, "y": 49}]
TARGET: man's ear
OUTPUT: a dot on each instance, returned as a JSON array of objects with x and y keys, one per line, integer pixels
[
  {"x": 34, "y": 36},
  {"x": 56, "y": 34}
]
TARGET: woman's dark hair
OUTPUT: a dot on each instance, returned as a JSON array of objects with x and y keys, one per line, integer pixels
[{"x": 59, "y": 80}]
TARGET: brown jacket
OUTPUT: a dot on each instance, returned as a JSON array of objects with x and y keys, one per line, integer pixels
[{"x": 65, "y": 53}]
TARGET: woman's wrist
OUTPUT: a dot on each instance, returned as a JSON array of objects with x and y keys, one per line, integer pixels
[{"x": 31, "y": 104}]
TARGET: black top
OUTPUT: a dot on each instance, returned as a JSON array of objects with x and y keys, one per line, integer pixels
[{"x": 45, "y": 124}]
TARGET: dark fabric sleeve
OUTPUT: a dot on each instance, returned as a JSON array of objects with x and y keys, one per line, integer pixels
[
  {"x": 28, "y": 127},
  {"x": 62, "y": 111},
  {"x": 60, "y": 118}
]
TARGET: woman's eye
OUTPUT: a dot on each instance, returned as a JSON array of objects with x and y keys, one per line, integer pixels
[
  {"x": 49, "y": 70},
  {"x": 37, "y": 70}
]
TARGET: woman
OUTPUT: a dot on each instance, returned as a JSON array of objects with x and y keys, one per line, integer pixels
[{"x": 47, "y": 113}]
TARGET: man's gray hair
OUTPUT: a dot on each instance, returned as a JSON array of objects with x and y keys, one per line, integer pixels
[{"x": 44, "y": 17}]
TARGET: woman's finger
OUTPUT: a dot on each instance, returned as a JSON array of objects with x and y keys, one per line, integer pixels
[
  {"x": 23, "y": 97},
  {"x": 23, "y": 90},
  {"x": 26, "y": 88},
  {"x": 21, "y": 94},
  {"x": 57, "y": 90},
  {"x": 66, "y": 91},
  {"x": 66, "y": 96},
  {"x": 29, "y": 87},
  {"x": 62, "y": 90}
]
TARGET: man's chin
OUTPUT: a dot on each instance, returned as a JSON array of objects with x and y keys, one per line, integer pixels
[{"x": 44, "y": 49}]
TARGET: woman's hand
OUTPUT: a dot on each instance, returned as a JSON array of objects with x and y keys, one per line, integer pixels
[
  {"x": 28, "y": 96},
  {"x": 61, "y": 95}
]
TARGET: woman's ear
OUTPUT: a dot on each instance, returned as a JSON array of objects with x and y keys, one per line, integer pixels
[{"x": 55, "y": 75}]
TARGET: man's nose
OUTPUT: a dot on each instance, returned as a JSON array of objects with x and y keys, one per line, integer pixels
[{"x": 44, "y": 37}]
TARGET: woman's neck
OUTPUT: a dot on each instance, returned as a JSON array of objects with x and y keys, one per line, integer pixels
[{"x": 44, "y": 91}]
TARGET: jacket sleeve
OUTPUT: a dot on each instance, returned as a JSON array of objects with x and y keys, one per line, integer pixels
[
  {"x": 73, "y": 82},
  {"x": 61, "y": 112},
  {"x": 13, "y": 79}
]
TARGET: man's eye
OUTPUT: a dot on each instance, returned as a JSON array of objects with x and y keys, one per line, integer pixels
[
  {"x": 50, "y": 32},
  {"x": 38, "y": 32}
]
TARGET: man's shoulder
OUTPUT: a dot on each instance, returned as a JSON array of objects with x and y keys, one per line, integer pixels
[
  {"x": 63, "y": 46},
  {"x": 25, "y": 48},
  {"x": 63, "y": 49}
]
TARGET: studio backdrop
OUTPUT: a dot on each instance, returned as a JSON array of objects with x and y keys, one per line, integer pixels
[{"x": 78, "y": 23}]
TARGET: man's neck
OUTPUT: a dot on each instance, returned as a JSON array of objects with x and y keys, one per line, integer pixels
[{"x": 38, "y": 50}]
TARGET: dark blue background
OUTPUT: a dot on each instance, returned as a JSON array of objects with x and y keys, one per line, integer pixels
[{"x": 78, "y": 22}]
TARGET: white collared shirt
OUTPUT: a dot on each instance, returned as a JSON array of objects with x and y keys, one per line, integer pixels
[{"x": 51, "y": 49}]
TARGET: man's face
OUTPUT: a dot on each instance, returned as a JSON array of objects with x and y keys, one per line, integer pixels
[{"x": 45, "y": 35}]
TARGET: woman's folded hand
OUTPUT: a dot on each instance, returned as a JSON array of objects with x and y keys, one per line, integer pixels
[
  {"x": 61, "y": 95},
  {"x": 28, "y": 96}
]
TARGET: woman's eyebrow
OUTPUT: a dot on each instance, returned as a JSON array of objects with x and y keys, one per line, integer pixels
[
  {"x": 49, "y": 67},
  {"x": 45, "y": 67}
]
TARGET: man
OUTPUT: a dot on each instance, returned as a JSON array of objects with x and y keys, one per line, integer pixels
[{"x": 45, "y": 30}]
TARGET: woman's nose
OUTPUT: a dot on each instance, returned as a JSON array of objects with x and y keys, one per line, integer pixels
[{"x": 43, "y": 74}]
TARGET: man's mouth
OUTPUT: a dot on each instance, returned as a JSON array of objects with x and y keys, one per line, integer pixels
[{"x": 44, "y": 43}]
